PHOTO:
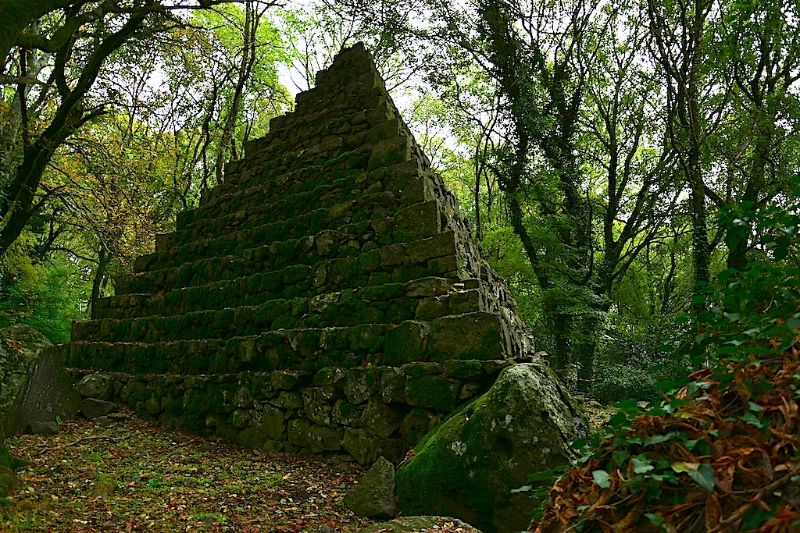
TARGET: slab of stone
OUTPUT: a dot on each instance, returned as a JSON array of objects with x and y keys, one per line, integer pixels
[
  {"x": 374, "y": 497},
  {"x": 47, "y": 396},
  {"x": 468, "y": 466},
  {"x": 7, "y": 481},
  {"x": 19, "y": 347},
  {"x": 94, "y": 408}
]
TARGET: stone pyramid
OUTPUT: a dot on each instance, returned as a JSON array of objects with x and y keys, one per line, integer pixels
[{"x": 326, "y": 297}]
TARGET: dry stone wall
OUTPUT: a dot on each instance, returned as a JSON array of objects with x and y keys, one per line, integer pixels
[{"x": 326, "y": 297}]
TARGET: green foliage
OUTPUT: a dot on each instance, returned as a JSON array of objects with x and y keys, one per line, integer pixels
[
  {"x": 46, "y": 296},
  {"x": 743, "y": 337},
  {"x": 633, "y": 360}
]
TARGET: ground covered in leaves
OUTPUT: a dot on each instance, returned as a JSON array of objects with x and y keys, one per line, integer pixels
[{"x": 133, "y": 475}]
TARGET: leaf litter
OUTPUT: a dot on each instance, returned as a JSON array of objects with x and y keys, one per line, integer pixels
[{"x": 136, "y": 476}]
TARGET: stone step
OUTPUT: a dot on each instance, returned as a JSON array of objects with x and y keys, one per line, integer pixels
[
  {"x": 390, "y": 303},
  {"x": 283, "y": 206},
  {"x": 249, "y": 204},
  {"x": 203, "y": 260},
  {"x": 327, "y": 147},
  {"x": 460, "y": 337},
  {"x": 388, "y": 222},
  {"x": 368, "y": 145},
  {"x": 258, "y": 272},
  {"x": 305, "y": 220},
  {"x": 398, "y": 176},
  {"x": 254, "y": 289}
]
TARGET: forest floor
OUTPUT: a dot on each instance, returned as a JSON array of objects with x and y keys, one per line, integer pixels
[{"x": 135, "y": 476}]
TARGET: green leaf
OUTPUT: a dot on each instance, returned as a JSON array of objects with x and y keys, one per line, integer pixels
[
  {"x": 682, "y": 467},
  {"x": 753, "y": 420},
  {"x": 620, "y": 456},
  {"x": 658, "y": 439},
  {"x": 655, "y": 519},
  {"x": 642, "y": 465},
  {"x": 755, "y": 407},
  {"x": 601, "y": 479},
  {"x": 732, "y": 317},
  {"x": 704, "y": 476}
]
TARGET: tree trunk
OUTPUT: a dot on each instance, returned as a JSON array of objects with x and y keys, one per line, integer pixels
[{"x": 103, "y": 259}]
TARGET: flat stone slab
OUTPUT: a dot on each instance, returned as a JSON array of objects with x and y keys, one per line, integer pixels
[{"x": 47, "y": 396}]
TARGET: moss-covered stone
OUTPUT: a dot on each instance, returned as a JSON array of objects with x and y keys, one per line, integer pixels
[
  {"x": 380, "y": 419},
  {"x": 7, "y": 465},
  {"x": 432, "y": 392},
  {"x": 416, "y": 424},
  {"x": 470, "y": 336},
  {"x": 468, "y": 466},
  {"x": 405, "y": 343},
  {"x": 314, "y": 438},
  {"x": 414, "y": 524},
  {"x": 374, "y": 495},
  {"x": 347, "y": 414}
]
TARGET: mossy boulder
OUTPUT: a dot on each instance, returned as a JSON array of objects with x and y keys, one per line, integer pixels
[
  {"x": 8, "y": 463},
  {"x": 96, "y": 385},
  {"x": 468, "y": 466}
]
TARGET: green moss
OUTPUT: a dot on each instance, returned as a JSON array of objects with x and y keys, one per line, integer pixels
[
  {"x": 436, "y": 469},
  {"x": 404, "y": 344},
  {"x": 464, "y": 369},
  {"x": 432, "y": 392}
]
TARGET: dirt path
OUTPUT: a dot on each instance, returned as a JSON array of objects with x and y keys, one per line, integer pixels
[{"x": 135, "y": 476}]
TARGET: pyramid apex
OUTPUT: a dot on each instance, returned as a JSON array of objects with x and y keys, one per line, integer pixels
[{"x": 353, "y": 62}]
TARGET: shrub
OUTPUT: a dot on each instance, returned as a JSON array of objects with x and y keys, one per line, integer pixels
[{"x": 721, "y": 453}]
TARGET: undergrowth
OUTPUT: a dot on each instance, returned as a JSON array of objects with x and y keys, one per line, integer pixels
[{"x": 719, "y": 453}]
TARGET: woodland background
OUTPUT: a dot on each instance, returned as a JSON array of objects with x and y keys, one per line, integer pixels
[{"x": 631, "y": 167}]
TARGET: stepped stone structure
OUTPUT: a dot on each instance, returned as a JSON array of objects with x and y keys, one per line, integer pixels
[{"x": 326, "y": 297}]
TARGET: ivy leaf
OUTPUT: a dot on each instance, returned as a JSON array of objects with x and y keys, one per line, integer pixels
[
  {"x": 658, "y": 439},
  {"x": 601, "y": 479},
  {"x": 641, "y": 465},
  {"x": 704, "y": 476},
  {"x": 619, "y": 457},
  {"x": 655, "y": 519},
  {"x": 753, "y": 420},
  {"x": 732, "y": 317}
]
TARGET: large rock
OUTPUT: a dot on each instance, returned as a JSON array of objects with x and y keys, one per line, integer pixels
[
  {"x": 47, "y": 396},
  {"x": 19, "y": 346},
  {"x": 373, "y": 497},
  {"x": 469, "y": 465},
  {"x": 96, "y": 385}
]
